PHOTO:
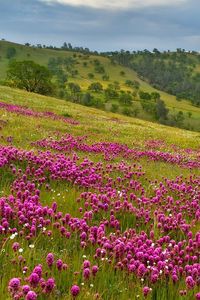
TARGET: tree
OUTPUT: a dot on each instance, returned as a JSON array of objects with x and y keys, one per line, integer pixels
[
  {"x": 87, "y": 99},
  {"x": 110, "y": 92},
  {"x": 11, "y": 52},
  {"x": 144, "y": 95},
  {"x": 155, "y": 96},
  {"x": 161, "y": 110},
  {"x": 90, "y": 75},
  {"x": 96, "y": 87},
  {"x": 74, "y": 87},
  {"x": 177, "y": 119},
  {"x": 125, "y": 98},
  {"x": 132, "y": 83},
  {"x": 114, "y": 107},
  {"x": 105, "y": 77},
  {"x": 30, "y": 76},
  {"x": 99, "y": 69}
]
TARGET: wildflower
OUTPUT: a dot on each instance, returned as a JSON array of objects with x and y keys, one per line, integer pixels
[
  {"x": 197, "y": 296},
  {"x": 50, "y": 285},
  {"x": 34, "y": 279},
  {"x": 146, "y": 291},
  {"x": 86, "y": 273},
  {"x": 190, "y": 283},
  {"x": 15, "y": 246},
  {"x": 14, "y": 284},
  {"x": 86, "y": 264},
  {"x": 31, "y": 296},
  {"x": 95, "y": 270},
  {"x": 75, "y": 290},
  {"x": 50, "y": 260},
  {"x": 59, "y": 264},
  {"x": 25, "y": 289}
]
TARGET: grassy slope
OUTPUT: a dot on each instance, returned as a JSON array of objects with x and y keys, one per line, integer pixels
[
  {"x": 42, "y": 56},
  {"x": 99, "y": 126}
]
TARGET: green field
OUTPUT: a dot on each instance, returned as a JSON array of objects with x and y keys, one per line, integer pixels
[
  {"x": 41, "y": 56},
  {"x": 19, "y": 131}
]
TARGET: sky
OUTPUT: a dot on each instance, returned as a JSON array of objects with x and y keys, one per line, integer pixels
[{"x": 103, "y": 25}]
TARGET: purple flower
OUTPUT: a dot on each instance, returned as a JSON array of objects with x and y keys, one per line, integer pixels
[
  {"x": 50, "y": 260},
  {"x": 15, "y": 246},
  {"x": 146, "y": 291},
  {"x": 86, "y": 264},
  {"x": 190, "y": 283},
  {"x": 25, "y": 289},
  {"x": 95, "y": 269},
  {"x": 197, "y": 296},
  {"x": 31, "y": 296},
  {"x": 34, "y": 279},
  {"x": 14, "y": 284},
  {"x": 50, "y": 285},
  {"x": 75, "y": 290},
  {"x": 86, "y": 273},
  {"x": 59, "y": 264}
]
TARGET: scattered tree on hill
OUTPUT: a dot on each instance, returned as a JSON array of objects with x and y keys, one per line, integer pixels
[
  {"x": 177, "y": 119},
  {"x": 125, "y": 98},
  {"x": 96, "y": 87},
  {"x": 130, "y": 111},
  {"x": 99, "y": 69},
  {"x": 90, "y": 75},
  {"x": 144, "y": 95},
  {"x": 11, "y": 52},
  {"x": 105, "y": 77},
  {"x": 74, "y": 88},
  {"x": 110, "y": 92},
  {"x": 155, "y": 96},
  {"x": 114, "y": 107},
  {"x": 30, "y": 76},
  {"x": 132, "y": 83},
  {"x": 87, "y": 99},
  {"x": 161, "y": 110}
]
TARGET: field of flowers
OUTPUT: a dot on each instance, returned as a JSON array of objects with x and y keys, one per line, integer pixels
[{"x": 95, "y": 205}]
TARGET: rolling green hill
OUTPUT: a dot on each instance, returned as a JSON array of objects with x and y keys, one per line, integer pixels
[{"x": 85, "y": 64}]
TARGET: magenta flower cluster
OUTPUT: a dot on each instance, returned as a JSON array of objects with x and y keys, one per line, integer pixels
[
  {"x": 148, "y": 233},
  {"x": 22, "y": 110},
  {"x": 186, "y": 158}
]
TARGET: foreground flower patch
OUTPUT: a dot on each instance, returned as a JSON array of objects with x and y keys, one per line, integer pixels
[{"x": 120, "y": 225}]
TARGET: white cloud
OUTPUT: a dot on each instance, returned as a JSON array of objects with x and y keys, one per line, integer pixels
[{"x": 117, "y": 4}]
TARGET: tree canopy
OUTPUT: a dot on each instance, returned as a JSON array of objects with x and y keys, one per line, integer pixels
[{"x": 29, "y": 76}]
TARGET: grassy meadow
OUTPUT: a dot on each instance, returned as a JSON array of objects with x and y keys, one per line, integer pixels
[{"x": 145, "y": 173}]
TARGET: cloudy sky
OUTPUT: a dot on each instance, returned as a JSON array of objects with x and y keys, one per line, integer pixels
[{"x": 103, "y": 24}]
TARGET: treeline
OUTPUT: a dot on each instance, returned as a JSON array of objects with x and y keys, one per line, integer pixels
[
  {"x": 173, "y": 72},
  {"x": 66, "y": 47}
]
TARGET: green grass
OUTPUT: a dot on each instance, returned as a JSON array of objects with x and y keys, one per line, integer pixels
[
  {"x": 41, "y": 56},
  {"x": 99, "y": 126}
]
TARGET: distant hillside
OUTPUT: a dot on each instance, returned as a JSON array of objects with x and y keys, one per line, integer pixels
[
  {"x": 177, "y": 73},
  {"x": 83, "y": 69}
]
